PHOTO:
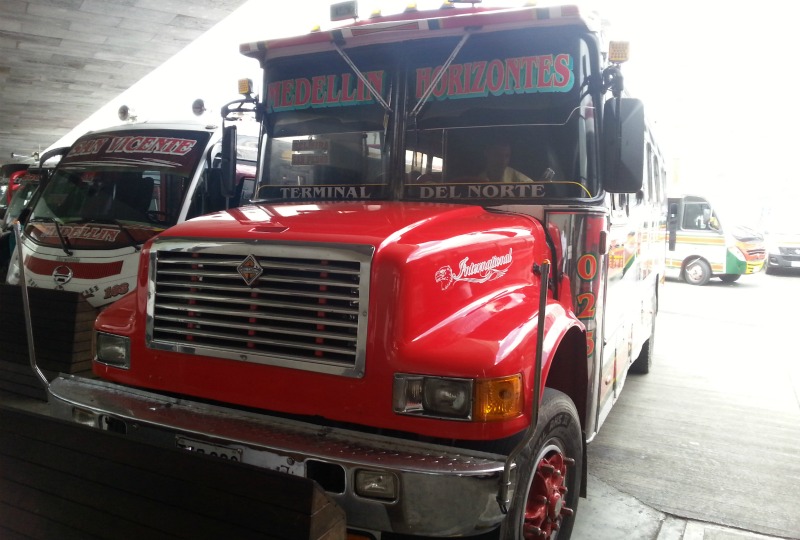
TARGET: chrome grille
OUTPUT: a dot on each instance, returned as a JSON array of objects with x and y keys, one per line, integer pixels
[{"x": 305, "y": 307}]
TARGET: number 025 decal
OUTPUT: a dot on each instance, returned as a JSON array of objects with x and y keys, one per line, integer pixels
[{"x": 587, "y": 301}]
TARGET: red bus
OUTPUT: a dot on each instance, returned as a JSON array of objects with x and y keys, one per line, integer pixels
[{"x": 452, "y": 263}]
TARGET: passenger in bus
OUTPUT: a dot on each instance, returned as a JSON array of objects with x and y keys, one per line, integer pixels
[{"x": 497, "y": 156}]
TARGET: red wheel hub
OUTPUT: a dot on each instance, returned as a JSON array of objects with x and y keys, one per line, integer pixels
[{"x": 544, "y": 509}]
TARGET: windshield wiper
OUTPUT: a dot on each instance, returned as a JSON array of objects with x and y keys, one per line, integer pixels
[
  {"x": 363, "y": 78},
  {"x": 64, "y": 242},
  {"x": 428, "y": 91}
]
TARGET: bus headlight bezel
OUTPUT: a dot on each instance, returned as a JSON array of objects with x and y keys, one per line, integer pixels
[
  {"x": 113, "y": 350},
  {"x": 452, "y": 398},
  {"x": 435, "y": 397}
]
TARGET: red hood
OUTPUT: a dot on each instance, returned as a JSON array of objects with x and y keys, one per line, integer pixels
[
  {"x": 346, "y": 222},
  {"x": 446, "y": 281}
]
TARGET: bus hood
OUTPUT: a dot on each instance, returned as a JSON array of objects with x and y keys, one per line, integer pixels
[{"x": 416, "y": 226}]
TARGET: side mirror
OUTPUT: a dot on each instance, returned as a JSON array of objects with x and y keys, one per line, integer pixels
[
  {"x": 228, "y": 161},
  {"x": 623, "y": 148}
]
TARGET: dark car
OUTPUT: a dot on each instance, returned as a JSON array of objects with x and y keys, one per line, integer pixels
[{"x": 783, "y": 244}]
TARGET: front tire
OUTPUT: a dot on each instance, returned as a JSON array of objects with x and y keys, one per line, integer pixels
[
  {"x": 729, "y": 278},
  {"x": 697, "y": 272},
  {"x": 549, "y": 475}
]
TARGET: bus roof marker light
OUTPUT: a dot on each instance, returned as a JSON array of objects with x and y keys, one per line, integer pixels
[{"x": 343, "y": 11}]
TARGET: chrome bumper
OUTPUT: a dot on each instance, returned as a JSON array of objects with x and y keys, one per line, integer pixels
[{"x": 441, "y": 491}]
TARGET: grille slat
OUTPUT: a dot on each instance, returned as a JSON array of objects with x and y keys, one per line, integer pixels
[
  {"x": 261, "y": 341},
  {"x": 306, "y": 309},
  {"x": 261, "y": 314},
  {"x": 233, "y": 263},
  {"x": 259, "y": 290},
  {"x": 261, "y": 303},
  {"x": 192, "y": 321},
  {"x": 200, "y": 275}
]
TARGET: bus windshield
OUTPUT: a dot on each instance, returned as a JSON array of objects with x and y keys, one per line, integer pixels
[
  {"x": 120, "y": 190},
  {"x": 482, "y": 118},
  {"x": 324, "y": 165}
]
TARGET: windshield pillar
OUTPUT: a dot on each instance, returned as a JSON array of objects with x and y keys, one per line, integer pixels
[{"x": 397, "y": 134}]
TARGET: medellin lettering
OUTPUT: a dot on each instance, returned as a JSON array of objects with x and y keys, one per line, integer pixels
[
  {"x": 85, "y": 232},
  {"x": 334, "y": 90}
]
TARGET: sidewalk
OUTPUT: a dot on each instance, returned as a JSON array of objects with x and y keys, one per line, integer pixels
[{"x": 609, "y": 514}]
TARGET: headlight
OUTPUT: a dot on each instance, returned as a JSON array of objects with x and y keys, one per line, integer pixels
[
  {"x": 433, "y": 396},
  {"x": 480, "y": 400},
  {"x": 113, "y": 350},
  {"x": 736, "y": 252}
]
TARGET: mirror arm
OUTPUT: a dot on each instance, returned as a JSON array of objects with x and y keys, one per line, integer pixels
[
  {"x": 240, "y": 106},
  {"x": 613, "y": 80}
]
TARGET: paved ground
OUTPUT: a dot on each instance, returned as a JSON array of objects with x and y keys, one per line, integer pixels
[
  {"x": 706, "y": 446},
  {"x": 609, "y": 514}
]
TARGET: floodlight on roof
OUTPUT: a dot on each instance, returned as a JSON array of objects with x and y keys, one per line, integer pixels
[
  {"x": 126, "y": 114},
  {"x": 198, "y": 107}
]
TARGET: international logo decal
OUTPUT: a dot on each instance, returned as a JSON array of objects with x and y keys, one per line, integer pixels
[
  {"x": 475, "y": 272},
  {"x": 250, "y": 270},
  {"x": 61, "y": 276}
]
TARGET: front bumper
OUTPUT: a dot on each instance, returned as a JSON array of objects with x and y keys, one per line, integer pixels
[
  {"x": 442, "y": 490},
  {"x": 779, "y": 260}
]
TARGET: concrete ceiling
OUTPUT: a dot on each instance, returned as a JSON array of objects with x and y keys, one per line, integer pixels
[{"x": 61, "y": 60}]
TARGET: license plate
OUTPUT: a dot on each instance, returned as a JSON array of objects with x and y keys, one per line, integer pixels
[
  {"x": 214, "y": 450},
  {"x": 796, "y": 264}
]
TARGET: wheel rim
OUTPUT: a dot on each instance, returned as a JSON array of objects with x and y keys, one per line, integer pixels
[
  {"x": 695, "y": 273},
  {"x": 545, "y": 508}
]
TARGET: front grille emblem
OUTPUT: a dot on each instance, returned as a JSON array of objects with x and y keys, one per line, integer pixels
[
  {"x": 62, "y": 275},
  {"x": 249, "y": 269}
]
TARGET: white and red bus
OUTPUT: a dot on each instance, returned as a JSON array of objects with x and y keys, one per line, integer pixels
[
  {"x": 113, "y": 190},
  {"x": 452, "y": 264}
]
